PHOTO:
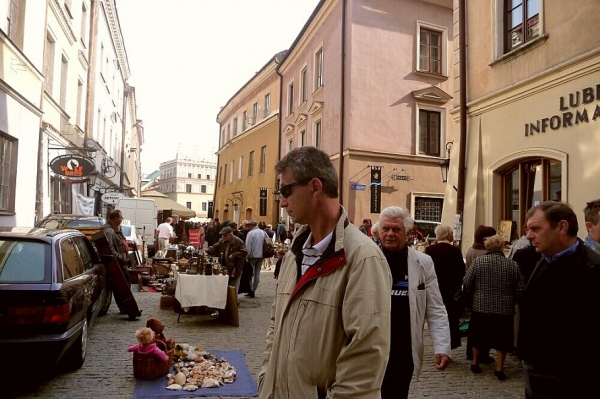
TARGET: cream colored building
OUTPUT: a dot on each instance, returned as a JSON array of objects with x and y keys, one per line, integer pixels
[
  {"x": 370, "y": 83},
  {"x": 21, "y": 79},
  {"x": 190, "y": 181},
  {"x": 533, "y": 112},
  {"x": 248, "y": 150}
]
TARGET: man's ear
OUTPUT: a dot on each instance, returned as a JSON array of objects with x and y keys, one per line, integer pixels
[{"x": 588, "y": 225}]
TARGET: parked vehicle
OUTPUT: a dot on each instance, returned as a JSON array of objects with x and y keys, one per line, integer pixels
[
  {"x": 134, "y": 242},
  {"x": 88, "y": 225},
  {"x": 53, "y": 285},
  {"x": 142, "y": 212}
]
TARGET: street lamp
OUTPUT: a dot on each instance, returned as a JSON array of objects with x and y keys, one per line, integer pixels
[{"x": 445, "y": 163}]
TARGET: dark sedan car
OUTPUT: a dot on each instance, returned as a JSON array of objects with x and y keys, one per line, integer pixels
[{"x": 52, "y": 287}]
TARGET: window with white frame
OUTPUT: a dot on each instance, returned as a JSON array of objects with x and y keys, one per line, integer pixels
[
  {"x": 319, "y": 68},
  {"x": 428, "y": 209},
  {"x": 188, "y": 188},
  {"x": 64, "y": 70},
  {"x": 290, "y": 145},
  {"x": 432, "y": 48},
  {"x": 84, "y": 17},
  {"x": 203, "y": 188},
  {"x": 240, "y": 168},
  {"x": 225, "y": 174},
  {"x": 290, "y": 98},
  {"x": 16, "y": 20},
  {"x": 49, "y": 64},
  {"x": 231, "y": 172},
  {"x": 204, "y": 206},
  {"x": 254, "y": 113},
  {"x": 430, "y": 128},
  {"x": 267, "y": 108},
  {"x": 251, "y": 163},
  {"x": 8, "y": 172},
  {"x": 263, "y": 159},
  {"x": 228, "y": 132},
  {"x": 79, "y": 102},
  {"x": 244, "y": 120},
  {"x": 317, "y": 133},
  {"x": 302, "y": 138},
  {"x": 522, "y": 22},
  {"x": 303, "y": 86},
  {"x": 234, "y": 127}
]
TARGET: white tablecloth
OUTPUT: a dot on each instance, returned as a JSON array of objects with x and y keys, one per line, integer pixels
[{"x": 200, "y": 290}]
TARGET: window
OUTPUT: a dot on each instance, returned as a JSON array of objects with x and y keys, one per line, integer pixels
[
  {"x": 303, "y": 90},
  {"x": 429, "y": 132},
  {"x": 204, "y": 206},
  {"x": 291, "y": 98},
  {"x": 79, "y": 102},
  {"x": 522, "y": 22},
  {"x": 319, "y": 68},
  {"x": 203, "y": 188},
  {"x": 16, "y": 19},
  {"x": 67, "y": 4},
  {"x": 84, "y": 17},
  {"x": 207, "y": 177},
  {"x": 225, "y": 174},
  {"x": 290, "y": 145},
  {"x": 234, "y": 127},
  {"x": 189, "y": 175},
  {"x": 199, "y": 176},
  {"x": 244, "y": 120},
  {"x": 240, "y": 168},
  {"x": 430, "y": 51},
  {"x": 85, "y": 252},
  {"x": 428, "y": 209},
  {"x": 263, "y": 159},
  {"x": 302, "y": 138},
  {"x": 49, "y": 64},
  {"x": 527, "y": 183},
  {"x": 102, "y": 72},
  {"x": 267, "y": 105},
  {"x": 231, "y": 169},
  {"x": 318, "y": 134},
  {"x": 8, "y": 172},
  {"x": 228, "y": 132},
  {"x": 188, "y": 205},
  {"x": 251, "y": 163},
  {"x": 254, "y": 113},
  {"x": 220, "y": 175},
  {"x": 72, "y": 266},
  {"x": 172, "y": 188}
]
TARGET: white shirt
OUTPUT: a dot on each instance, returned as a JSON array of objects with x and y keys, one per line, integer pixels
[
  {"x": 165, "y": 230},
  {"x": 312, "y": 253}
]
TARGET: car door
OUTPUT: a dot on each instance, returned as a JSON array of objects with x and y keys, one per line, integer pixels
[{"x": 94, "y": 270}]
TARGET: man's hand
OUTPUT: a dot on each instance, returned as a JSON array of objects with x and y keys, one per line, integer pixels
[{"x": 441, "y": 361}]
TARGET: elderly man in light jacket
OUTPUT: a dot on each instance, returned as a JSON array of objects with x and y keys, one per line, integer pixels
[{"x": 415, "y": 298}]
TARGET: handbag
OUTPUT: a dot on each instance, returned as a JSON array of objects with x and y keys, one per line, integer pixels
[
  {"x": 464, "y": 298},
  {"x": 268, "y": 247}
]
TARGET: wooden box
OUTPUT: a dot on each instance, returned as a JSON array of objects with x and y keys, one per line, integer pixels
[{"x": 167, "y": 302}]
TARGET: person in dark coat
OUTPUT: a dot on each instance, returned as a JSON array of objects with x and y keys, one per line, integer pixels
[{"x": 450, "y": 269}]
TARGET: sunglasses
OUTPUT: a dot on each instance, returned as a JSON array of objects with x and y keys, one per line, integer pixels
[{"x": 286, "y": 190}]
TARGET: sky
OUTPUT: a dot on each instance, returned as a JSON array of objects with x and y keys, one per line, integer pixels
[{"x": 187, "y": 58}]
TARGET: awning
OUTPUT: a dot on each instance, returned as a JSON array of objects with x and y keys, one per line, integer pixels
[{"x": 164, "y": 203}]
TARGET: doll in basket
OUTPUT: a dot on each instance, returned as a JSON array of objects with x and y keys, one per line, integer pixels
[
  {"x": 161, "y": 341},
  {"x": 147, "y": 345}
]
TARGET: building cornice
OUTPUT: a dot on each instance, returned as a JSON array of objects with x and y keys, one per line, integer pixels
[
  {"x": 5, "y": 87},
  {"x": 112, "y": 18},
  {"x": 389, "y": 156},
  {"x": 64, "y": 20},
  {"x": 263, "y": 124}
]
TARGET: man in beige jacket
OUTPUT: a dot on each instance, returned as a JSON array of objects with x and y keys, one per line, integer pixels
[{"x": 329, "y": 333}]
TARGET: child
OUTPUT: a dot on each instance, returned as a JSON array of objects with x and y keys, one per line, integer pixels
[
  {"x": 147, "y": 345},
  {"x": 280, "y": 254}
]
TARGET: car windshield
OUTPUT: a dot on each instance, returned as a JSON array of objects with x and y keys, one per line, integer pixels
[
  {"x": 84, "y": 223},
  {"x": 24, "y": 262}
]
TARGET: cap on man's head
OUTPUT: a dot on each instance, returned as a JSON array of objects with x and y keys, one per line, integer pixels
[
  {"x": 252, "y": 222},
  {"x": 225, "y": 230}
]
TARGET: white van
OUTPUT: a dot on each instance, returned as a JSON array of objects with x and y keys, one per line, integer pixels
[{"x": 142, "y": 213}]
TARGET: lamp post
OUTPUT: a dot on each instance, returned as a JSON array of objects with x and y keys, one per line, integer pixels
[{"x": 445, "y": 163}]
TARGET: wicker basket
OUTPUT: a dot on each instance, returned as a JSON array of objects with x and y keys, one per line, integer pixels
[{"x": 148, "y": 367}]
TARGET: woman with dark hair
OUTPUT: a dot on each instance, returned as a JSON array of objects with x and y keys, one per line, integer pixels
[{"x": 496, "y": 284}]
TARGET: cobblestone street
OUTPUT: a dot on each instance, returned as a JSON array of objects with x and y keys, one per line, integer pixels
[{"x": 108, "y": 371}]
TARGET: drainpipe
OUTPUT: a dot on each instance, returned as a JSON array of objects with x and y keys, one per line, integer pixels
[
  {"x": 126, "y": 94},
  {"x": 460, "y": 191},
  {"x": 343, "y": 104},
  {"x": 91, "y": 77}
]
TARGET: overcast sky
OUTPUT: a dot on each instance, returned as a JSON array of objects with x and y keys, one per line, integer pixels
[{"x": 189, "y": 57}]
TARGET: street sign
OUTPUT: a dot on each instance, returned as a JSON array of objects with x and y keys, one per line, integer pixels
[
  {"x": 111, "y": 198},
  {"x": 402, "y": 177},
  {"x": 358, "y": 186}
]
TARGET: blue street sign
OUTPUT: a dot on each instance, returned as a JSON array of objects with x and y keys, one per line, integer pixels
[{"x": 358, "y": 186}]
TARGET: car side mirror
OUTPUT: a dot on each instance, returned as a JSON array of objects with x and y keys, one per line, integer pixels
[{"x": 106, "y": 259}]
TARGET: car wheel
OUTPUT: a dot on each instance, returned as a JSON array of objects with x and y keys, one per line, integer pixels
[
  {"x": 106, "y": 304},
  {"x": 76, "y": 355}
]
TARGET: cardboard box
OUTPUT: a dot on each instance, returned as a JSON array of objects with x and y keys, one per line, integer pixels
[{"x": 167, "y": 302}]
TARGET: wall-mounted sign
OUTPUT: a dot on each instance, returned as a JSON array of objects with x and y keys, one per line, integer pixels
[
  {"x": 263, "y": 202},
  {"x": 358, "y": 186},
  {"x": 111, "y": 198},
  {"x": 402, "y": 177},
  {"x": 72, "y": 165},
  {"x": 375, "y": 189}
]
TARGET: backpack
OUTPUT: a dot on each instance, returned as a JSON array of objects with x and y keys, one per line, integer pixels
[{"x": 268, "y": 247}]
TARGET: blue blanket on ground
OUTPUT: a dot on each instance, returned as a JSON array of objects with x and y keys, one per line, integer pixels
[{"x": 244, "y": 384}]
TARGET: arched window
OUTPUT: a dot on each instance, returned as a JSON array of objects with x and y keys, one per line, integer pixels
[{"x": 526, "y": 183}]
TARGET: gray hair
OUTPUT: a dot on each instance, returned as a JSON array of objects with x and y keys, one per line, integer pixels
[
  {"x": 394, "y": 212},
  {"x": 307, "y": 163},
  {"x": 494, "y": 243},
  {"x": 444, "y": 233}
]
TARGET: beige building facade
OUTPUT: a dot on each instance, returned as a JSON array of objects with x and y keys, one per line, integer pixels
[
  {"x": 370, "y": 84},
  {"x": 246, "y": 186},
  {"x": 533, "y": 113}
]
